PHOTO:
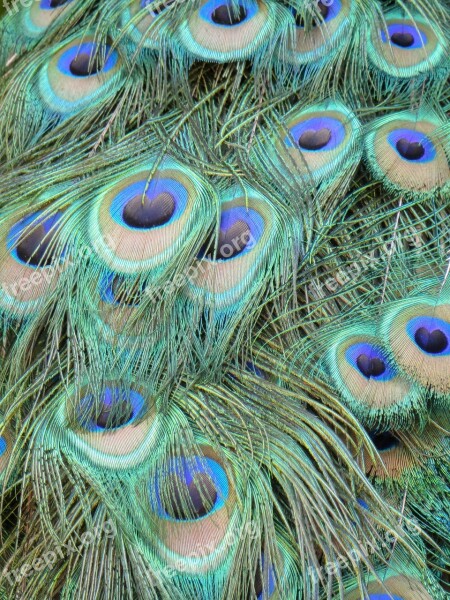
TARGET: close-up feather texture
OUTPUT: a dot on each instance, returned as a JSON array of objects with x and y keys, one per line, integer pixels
[{"x": 225, "y": 300}]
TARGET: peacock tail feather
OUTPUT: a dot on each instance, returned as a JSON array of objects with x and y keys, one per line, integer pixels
[{"x": 224, "y": 300}]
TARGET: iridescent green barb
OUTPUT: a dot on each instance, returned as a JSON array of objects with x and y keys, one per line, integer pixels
[{"x": 224, "y": 300}]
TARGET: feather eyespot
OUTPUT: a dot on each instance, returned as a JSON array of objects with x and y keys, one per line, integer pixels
[
  {"x": 418, "y": 333},
  {"x": 113, "y": 427},
  {"x": 117, "y": 408},
  {"x": 370, "y": 382},
  {"x": 226, "y": 14},
  {"x": 404, "y": 36},
  {"x": 78, "y": 75},
  {"x": 227, "y": 265},
  {"x": 412, "y": 145},
  {"x": 33, "y": 259},
  {"x": 31, "y": 241},
  {"x": 319, "y": 34},
  {"x": 264, "y": 580},
  {"x": 87, "y": 59},
  {"x": 320, "y": 141},
  {"x": 38, "y": 16},
  {"x": 431, "y": 335},
  {"x": 120, "y": 291},
  {"x": 317, "y": 133},
  {"x": 239, "y": 231},
  {"x": 141, "y": 222},
  {"x": 192, "y": 498},
  {"x": 222, "y": 31},
  {"x": 403, "y": 47},
  {"x": 370, "y": 361},
  {"x": 192, "y": 488},
  {"x": 406, "y": 152}
]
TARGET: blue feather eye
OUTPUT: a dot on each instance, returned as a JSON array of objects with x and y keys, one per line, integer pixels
[
  {"x": 369, "y": 381},
  {"x": 412, "y": 145},
  {"x": 227, "y": 14},
  {"x": 406, "y": 152},
  {"x": 228, "y": 266},
  {"x": 370, "y": 361},
  {"x": 403, "y": 47},
  {"x": 116, "y": 408},
  {"x": 329, "y": 22},
  {"x": 317, "y": 133},
  {"x": 114, "y": 427},
  {"x": 404, "y": 36},
  {"x": 32, "y": 261},
  {"x": 38, "y": 16},
  {"x": 3, "y": 446},
  {"x": 6, "y": 444},
  {"x": 384, "y": 597},
  {"x": 80, "y": 74},
  {"x": 190, "y": 489},
  {"x": 430, "y": 334},
  {"x": 192, "y": 499},
  {"x": 418, "y": 331},
  {"x": 144, "y": 205},
  {"x": 223, "y": 31},
  {"x": 120, "y": 291},
  {"x": 84, "y": 60},
  {"x": 52, "y": 4},
  {"x": 322, "y": 141},
  {"x": 141, "y": 222},
  {"x": 265, "y": 580},
  {"x": 240, "y": 230},
  {"x": 30, "y": 240}
]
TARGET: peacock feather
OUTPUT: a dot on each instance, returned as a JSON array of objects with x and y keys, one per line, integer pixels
[{"x": 224, "y": 300}]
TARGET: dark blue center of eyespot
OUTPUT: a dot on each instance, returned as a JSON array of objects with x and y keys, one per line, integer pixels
[
  {"x": 327, "y": 10},
  {"x": 3, "y": 446},
  {"x": 412, "y": 146},
  {"x": 316, "y": 134},
  {"x": 269, "y": 577},
  {"x": 404, "y": 36},
  {"x": 164, "y": 201},
  {"x": 185, "y": 471},
  {"x": 29, "y": 240},
  {"x": 81, "y": 54},
  {"x": 223, "y": 13},
  {"x": 430, "y": 334},
  {"x": 363, "y": 503},
  {"x": 116, "y": 408},
  {"x": 252, "y": 368},
  {"x": 240, "y": 231},
  {"x": 52, "y": 4},
  {"x": 384, "y": 441},
  {"x": 370, "y": 361},
  {"x": 121, "y": 291}
]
